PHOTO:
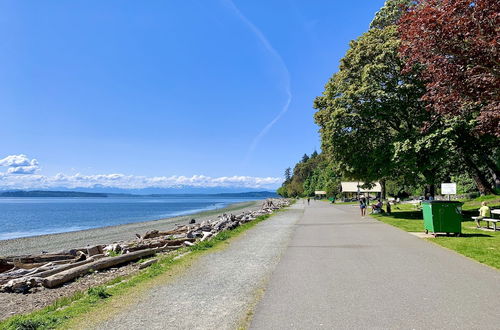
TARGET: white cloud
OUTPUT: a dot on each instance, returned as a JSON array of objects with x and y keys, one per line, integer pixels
[
  {"x": 20, "y": 164},
  {"x": 22, "y": 170},
  {"x": 123, "y": 181}
]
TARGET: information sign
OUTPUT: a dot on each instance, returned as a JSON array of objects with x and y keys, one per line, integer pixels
[{"x": 448, "y": 188}]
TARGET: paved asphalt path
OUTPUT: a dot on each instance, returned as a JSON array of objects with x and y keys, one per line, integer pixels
[
  {"x": 220, "y": 288},
  {"x": 341, "y": 271}
]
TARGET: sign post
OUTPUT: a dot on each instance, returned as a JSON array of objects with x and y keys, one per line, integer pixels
[{"x": 449, "y": 189}]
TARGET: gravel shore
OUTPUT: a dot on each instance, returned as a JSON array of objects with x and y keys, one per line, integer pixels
[{"x": 106, "y": 235}]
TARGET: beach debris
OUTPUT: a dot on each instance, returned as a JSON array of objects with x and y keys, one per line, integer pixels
[
  {"x": 104, "y": 263},
  {"x": 22, "y": 285},
  {"x": 92, "y": 251},
  {"x": 19, "y": 274},
  {"x": 5, "y": 266},
  {"x": 147, "y": 263},
  {"x": 206, "y": 235}
]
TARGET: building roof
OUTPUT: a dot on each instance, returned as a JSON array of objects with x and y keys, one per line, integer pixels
[
  {"x": 320, "y": 192},
  {"x": 353, "y": 187}
]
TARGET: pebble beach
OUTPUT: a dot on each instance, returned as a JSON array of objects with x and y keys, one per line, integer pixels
[{"x": 106, "y": 235}]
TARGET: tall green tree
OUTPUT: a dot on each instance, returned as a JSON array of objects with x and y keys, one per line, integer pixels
[
  {"x": 315, "y": 173},
  {"x": 369, "y": 108}
]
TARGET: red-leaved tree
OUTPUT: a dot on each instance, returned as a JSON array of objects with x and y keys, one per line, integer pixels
[{"x": 456, "y": 42}]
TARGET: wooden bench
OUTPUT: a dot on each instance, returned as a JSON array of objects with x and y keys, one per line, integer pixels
[{"x": 488, "y": 220}]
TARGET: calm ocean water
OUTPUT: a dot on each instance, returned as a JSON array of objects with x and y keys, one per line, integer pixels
[{"x": 22, "y": 217}]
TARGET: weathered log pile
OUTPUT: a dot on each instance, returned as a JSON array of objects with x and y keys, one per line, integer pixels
[{"x": 19, "y": 274}]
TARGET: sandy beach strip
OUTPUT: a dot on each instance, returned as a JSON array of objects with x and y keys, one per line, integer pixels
[{"x": 107, "y": 235}]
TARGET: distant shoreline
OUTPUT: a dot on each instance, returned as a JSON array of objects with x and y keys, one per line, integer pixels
[
  {"x": 109, "y": 234},
  {"x": 79, "y": 194}
]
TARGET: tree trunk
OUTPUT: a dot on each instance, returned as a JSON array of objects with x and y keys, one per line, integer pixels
[
  {"x": 382, "y": 189},
  {"x": 493, "y": 169},
  {"x": 429, "y": 190},
  {"x": 480, "y": 179},
  {"x": 469, "y": 146}
]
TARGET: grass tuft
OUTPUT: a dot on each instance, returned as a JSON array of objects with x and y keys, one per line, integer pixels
[
  {"x": 114, "y": 253},
  {"x": 98, "y": 292}
]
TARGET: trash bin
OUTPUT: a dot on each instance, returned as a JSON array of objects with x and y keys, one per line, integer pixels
[{"x": 442, "y": 217}]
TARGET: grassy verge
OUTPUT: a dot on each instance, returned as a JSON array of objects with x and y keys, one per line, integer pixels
[
  {"x": 67, "y": 309},
  {"x": 480, "y": 245}
]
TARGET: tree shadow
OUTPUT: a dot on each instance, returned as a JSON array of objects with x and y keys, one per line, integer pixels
[
  {"x": 475, "y": 235},
  {"x": 407, "y": 215}
]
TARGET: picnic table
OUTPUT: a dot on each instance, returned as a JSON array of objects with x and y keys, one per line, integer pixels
[{"x": 493, "y": 220}]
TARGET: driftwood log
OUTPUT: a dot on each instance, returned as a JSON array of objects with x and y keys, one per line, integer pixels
[
  {"x": 107, "y": 262},
  {"x": 148, "y": 263},
  {"x": 41, "y": 258}
]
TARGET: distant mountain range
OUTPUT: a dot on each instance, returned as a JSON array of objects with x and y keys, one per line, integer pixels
[
  {"x": 147, "y": 191},
  {"x": 52, "y": 193},
  {"x": 41, "y": 193}
]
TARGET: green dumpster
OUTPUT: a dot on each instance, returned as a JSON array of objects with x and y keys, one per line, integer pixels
[{"x": 442, "y": 217}]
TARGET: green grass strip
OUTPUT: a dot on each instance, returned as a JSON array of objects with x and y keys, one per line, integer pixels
[
  {"x": 480, "y": 245},
  {"x": 68, "y": 308}
]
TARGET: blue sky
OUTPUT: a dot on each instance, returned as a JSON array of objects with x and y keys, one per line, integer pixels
[{"x": 165, "y": 89}]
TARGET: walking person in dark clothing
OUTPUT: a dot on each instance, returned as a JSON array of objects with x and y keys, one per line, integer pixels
[
  {"x": 308, "y": 200},
  {"x": 362, "y": 205}
]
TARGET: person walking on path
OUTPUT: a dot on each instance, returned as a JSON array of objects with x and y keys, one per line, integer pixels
[
  {"x": 362, "y": 205},
  {"x": 308, "y": 200}
]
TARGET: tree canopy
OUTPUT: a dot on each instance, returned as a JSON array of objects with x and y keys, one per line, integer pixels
[
  {"x": 456, "y": 44},
  {"x": 370, "y": 109},
  {"x": 415, "y": 101},
  {"x": 390, "y": 13}
]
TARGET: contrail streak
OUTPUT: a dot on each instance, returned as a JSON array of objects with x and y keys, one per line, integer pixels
[{"x": 286, "y": 75}]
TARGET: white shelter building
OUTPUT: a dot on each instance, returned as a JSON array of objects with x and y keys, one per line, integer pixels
[
  {"x": 351, "y": 189},
  {"x": 320, "y": 193}
]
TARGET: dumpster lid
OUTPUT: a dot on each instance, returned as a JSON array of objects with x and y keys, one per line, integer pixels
[{"x": 442, "y": 202}]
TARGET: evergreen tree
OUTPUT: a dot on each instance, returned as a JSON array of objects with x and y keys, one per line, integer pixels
[{"x": 288, "y": 174}]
